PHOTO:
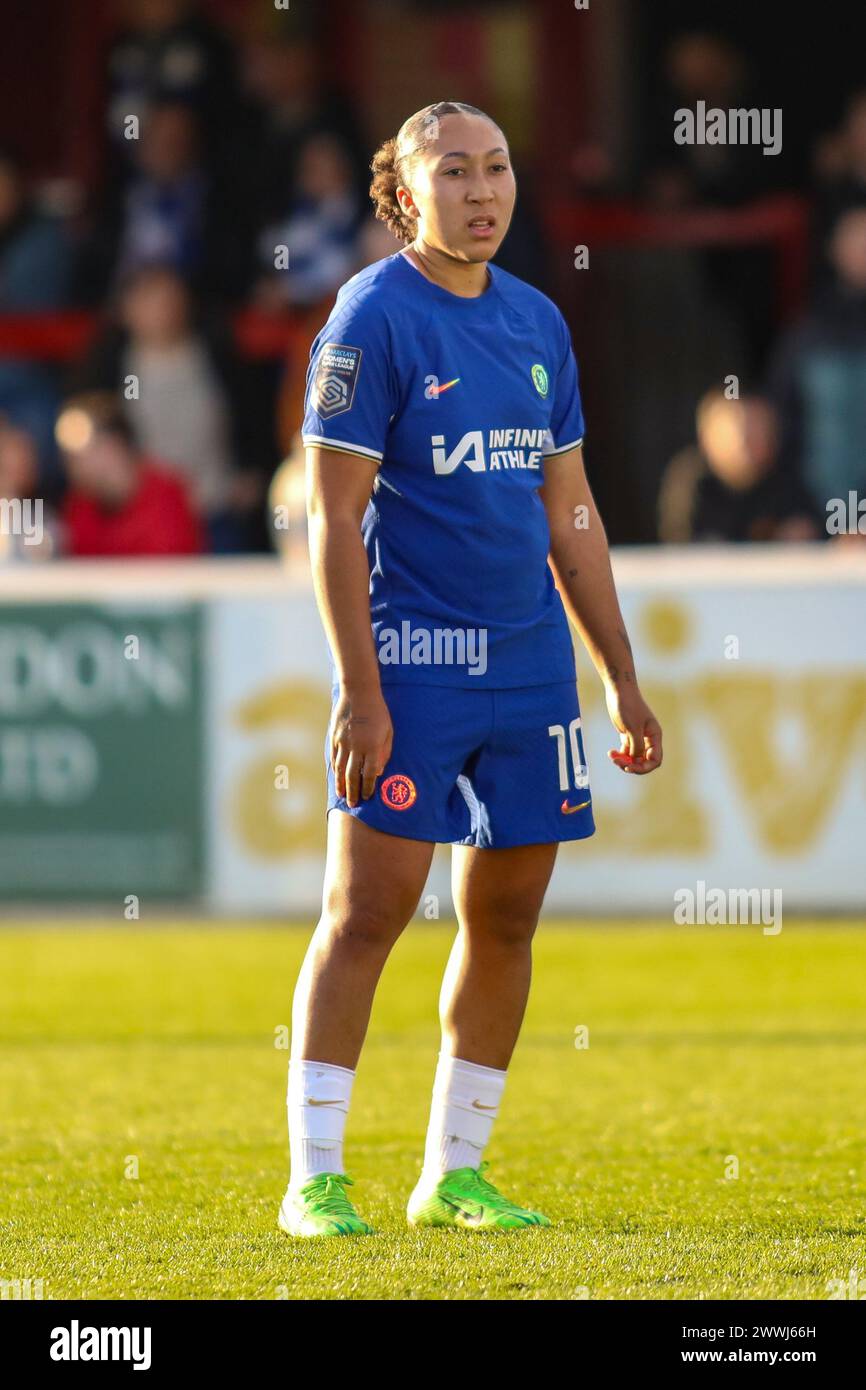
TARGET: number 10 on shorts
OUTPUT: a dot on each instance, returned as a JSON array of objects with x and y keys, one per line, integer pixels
[{"x": 574, "y": 744}]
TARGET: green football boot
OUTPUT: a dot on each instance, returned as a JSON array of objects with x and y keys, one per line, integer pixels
[
  {"x": 321, "y": 1208},
  {"x": 465, "y": 1198}
]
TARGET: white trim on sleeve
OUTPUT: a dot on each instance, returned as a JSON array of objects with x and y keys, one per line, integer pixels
[
  {"x": 342, "y": 446},
  {"x": 563, "y": 448}
]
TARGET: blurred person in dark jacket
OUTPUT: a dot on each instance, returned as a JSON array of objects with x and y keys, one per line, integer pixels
[
  {"x": 187, "y": 400},
  {"x": 728, "y": 486},
  {"x": 172, "y": 208},
  {"x": 34, "y": 276},
  {"x": 818, "y": 375},
  {"x": 120, "y": 503}
]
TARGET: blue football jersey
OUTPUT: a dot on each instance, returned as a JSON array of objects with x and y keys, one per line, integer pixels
[{"x": 459, "y": 401}]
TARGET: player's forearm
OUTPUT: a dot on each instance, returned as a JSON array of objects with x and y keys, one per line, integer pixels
[
  {"x": 341, "y": 580},
  {"x": 581, "y": 565}
]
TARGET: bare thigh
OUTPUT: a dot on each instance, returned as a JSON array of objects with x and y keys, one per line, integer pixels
[
  {"x": 498, "y": 893},
  {"x": 373, "y": 881},
  {"x": 372, "y": 885}
]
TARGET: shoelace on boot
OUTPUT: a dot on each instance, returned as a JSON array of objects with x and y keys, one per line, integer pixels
[
  {"x": 329, "y": 1191},
  {"x": 485, "y": 1187},
  {"x": 490, "y": 1194}
]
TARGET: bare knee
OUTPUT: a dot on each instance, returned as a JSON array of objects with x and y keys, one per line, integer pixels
[
  {"x": 510, "y": 922},
  {"x": 365, "y": 925}
]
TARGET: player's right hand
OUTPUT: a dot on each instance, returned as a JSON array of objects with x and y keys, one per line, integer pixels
[{"x": 361, "y": 739}]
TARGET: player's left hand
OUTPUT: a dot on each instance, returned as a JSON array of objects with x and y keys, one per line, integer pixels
[{"x": 640, "y": 732}]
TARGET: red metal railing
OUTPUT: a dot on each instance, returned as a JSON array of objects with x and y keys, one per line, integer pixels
[
  {"x": 61, "y": 337},
  {"x": 780, "y": 221}
]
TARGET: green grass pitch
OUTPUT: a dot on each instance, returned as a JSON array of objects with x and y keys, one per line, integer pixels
[{"x": 156, "y": 1050}]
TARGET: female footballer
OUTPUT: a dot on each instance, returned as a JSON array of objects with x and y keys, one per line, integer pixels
[{"x": 443, "y": 432}]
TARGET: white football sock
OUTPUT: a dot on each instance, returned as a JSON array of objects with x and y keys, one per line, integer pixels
[
  {"x": 317, "y": 1101},
  {"x": 465, "y": 1103}
]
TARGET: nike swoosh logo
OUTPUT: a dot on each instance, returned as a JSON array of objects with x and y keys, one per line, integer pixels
[
  {"x": 311, "y": 1101},
  {"x": 570, "y": 810},
  {"x": 471, "y": 1218},
  {"x": 447, "y": 386},
  {"x": 478, "y": 1106}
]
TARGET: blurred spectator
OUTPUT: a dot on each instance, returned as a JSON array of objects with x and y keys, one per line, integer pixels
[
  {"x": 27, "y": 527},
  {"x": 34, "y": 275},
  {"x": 840, "y": 165},
  {"x": 840, "y": 159},
  {"x": 728, "y": 486},
  {"x": 320, "y": 231},
  {"x": 168, "y": 51},
  {"x": 171, "y": 209},
  {"x": 186, "y": 401},
  {"x": 119, "y": 502},
  {"x": 701, "y": 66},
  {"x": 164, "y": 212},
  {"x": 289, "y": 102},
  {"x": 818, "y": 375}
]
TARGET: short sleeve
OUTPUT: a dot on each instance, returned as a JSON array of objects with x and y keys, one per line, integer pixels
[
  {"x": 351, "y": 396},
  {"x": 566, "y": 416}
]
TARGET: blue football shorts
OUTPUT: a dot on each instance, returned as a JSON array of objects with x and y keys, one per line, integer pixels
[{"x": 490, "y": 768}]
